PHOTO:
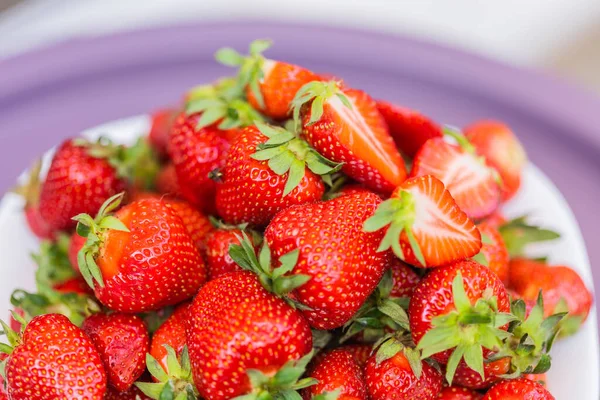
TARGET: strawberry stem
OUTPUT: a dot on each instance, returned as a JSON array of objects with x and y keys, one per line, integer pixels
[{"x": 316, "y": 93}]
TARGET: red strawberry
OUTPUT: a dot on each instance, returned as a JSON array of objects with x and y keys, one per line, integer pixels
[
  {"x": 495, "y": 220},
  {"x": 74, "y": 285},
  {"x": 122, "y": 342},
  {"x": 31, "y": 193},
  {"x": 425, "y": 226},
  {"x": 337, "y": 371},
  {"x": 340, "y": 259},
  {"x": 162, "y": 123},
  {"x": 467, "y": 177},
  {"x": 235, "y": 325},
  {"x": 458, "y": 393},
  {"x": 167, "y": 182},
  {"x": 493, "y": 253},
  {"x": 518, "y": 389},
  {"x": 142, "y": 258},
  {"x": 132, "y": 394},
  {"x": 76, "y": 243},
  {"x": 196, "y": 223},
  {"x": 216, "y": 255},
  {"x": 468, "y": 378},
  {"x": 57, "y": 349},
  {"x": 3, "y": 394},
  {"x": 404, "y": 279},
  {"x": 270, "y": 85},
  {"x": 361, "y": 352},
  {"x": 410, "y": 129},
  {"x": 393, "y": 378},
  {"x": 450, "y": 298},
  {"x": 539, "y": 378},
  {"x": 562, "y": 288},
  {"x": 267, "y": 170},
  {"x": 171, "y": 333},
  {"x": 502, "y": 150},
  {"x": 344, "y": 125}
]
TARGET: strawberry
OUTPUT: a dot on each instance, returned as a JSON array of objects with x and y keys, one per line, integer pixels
[
  {"x": 344, "y": 125},
  {"x": 235, "y": 326},
  {"x": 3, "y": 394},
  {"x": 425, "y": 227},
  {"x": 167, "y": 182},
  {"x": 539, "y": 378},
  {"x": 267, "y": 170},
  {"x": 334, "y": 252},
  {"x": 338, "y": 371},
  {"x": 466, "y": 377},
  {"x": 140, "y": 259},
  {"x": 451, "y": 298},
  {"x": 495, "y": 220},
  {"x": 360, "y": 352},
  {"x": 518, "y": 389},
  {"x": 171, "y": 333},
  {"x": 31, "y": 193},
  {"x": 122, "y": 341},
  {"x": 502, "y": 150},
  {"x": 458, "y": 393},
  {"x": 404, "y": 279},
  {"x": 57, "y": 349},
  {"x": 493, "y": 253},
  {"x": 76, "y": 243},
  {"x": 132, "y": 393},
  {"x": 270, "y": 85},
  {"x": 162, "y": 122},
  {"x": 562, "y": 288},
  {"x": 409, "y": 128},
  {"x": 394, "y": 377},
  {"x": 197, "y": 224},
  {"x": 467, "y": 177}
]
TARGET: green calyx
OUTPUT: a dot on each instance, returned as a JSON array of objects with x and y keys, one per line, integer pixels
[
  {"x": 30, "y": 190},
  {"x": 13, "y": 338},
  {"x": 380, "y": 313},
  {"x": 224, "y": 101},
  {"x": 571, "y": 323},
  {"x": 288, "y": 154},
  {"x": 94, "y": 230},
  {"x": 176, "y": 383},
  {"x": 518, "y": 234},
  {"x": 317, "y": 93},
  {"x": 398, "y": 214},
  {"x": 531, "y": 339},
  {"x": 393, "y": 343},
  {"x": 467, "y": 329},
  {"x": 284, "y": 385},
  {"x": 275, "y": 280},
  {"x": 139, "y": 163},
  {"x": 53, "y": 265},
  {"x": 250, "y": 71}
]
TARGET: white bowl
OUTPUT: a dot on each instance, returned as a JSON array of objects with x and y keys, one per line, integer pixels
[{"x": 575, "y": 371}]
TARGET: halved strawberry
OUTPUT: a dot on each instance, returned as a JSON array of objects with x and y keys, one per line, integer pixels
[
  {"x": 467, "y": 177},
  {"x": 409, "y": 128},
  {"x": 344, "y": 125},
  {"x": 425, "y": 226}
]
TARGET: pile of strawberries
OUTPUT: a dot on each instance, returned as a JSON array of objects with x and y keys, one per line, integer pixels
[{"x": 282, "y": 235}]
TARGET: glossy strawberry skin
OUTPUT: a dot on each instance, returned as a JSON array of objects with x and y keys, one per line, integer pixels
[
  {"x": 153, "y": 265},
  {"x": 122, "y": 341},
  {"x": 404, "y": 278},
  {"x": 279, "y": 86},
  {"x": 195, "y": 154},
  {"x": 234, "y": 324},
  {"x": 76, "y": 183},
  {"x": 51, "y": 343},
  {"x": 131, "y": 394},
  {"x": 162, "y": 123},
  {"x": 433, "y": 297},
  {"x": 74, "y": 285},
  {"x": 458, "y": 393},
  {"x": 502, "y": 150},
  {"x": 167, "y": 181},
  {"x": 75, "y": 244},
  {"x": 495, "y": 252},
  {"x": 251, "y": 192},
  {"x": 409, "y": 129},
  {"x": 37, "y": 224},
  {"x": 393, "y": 379},
  {"x": 468, "y": 378},
  {"x": 361, "y": 352},
  {"x": 172, "y": 333},
  {"x": 341, "y": 259},
  {"x": 218, "y": 261},
  {"x": 337, "y": 370},
  {"x": 197, "y": 224},
  {"x": 518, "y": 389},
  {"x": 374, "y": 161},
  {"x": 3, "y": 394}
]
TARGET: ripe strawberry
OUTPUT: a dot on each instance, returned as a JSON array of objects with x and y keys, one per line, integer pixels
[
  {"x": 167, "y": 182},
  {"x": 267, "y": 170},
  {"x": 361, "y": 352},
  {"x": 122, "y": 341},
  {"x": 162, "y": 123},
  {"x": 57, "y": 349},
  {"x": 74, "y": 285},
  {"x": 394, "y": 378},
  {"x": 495, "y": 220},
  {"x": 216, "y": 254},
  {"x": 425, "y": 226},
  {"x": 502, "y": 150},
  {"x": 562, "y": 288},
  {"x": 518, "y": 389},
  {"x": 493, "y": 253},
  {"x": 467, "y": 177},
  {"x": 404, "y": 279},
  {"x": 270, "y": 85},
  {"x": 76, "y": 243},
  {"x": 458, "y": 393},
  {"x": 410, "y": 129},
  {"x": 3, "y": 394},
  {"x": 132, "y": 393},
  {"x": 539, "y": 378},
  {"x": 235, "y": 325},
  {"x": 334, "y": 252},
  {"x": 466, "y": 377},
  {"x": 451, "y": 298},
  {"x": 171, "y": 333},
  {"x": 337, "y": 371},
  {"x": 142, "y": 258},
  {"x": 344, "y": 125},
  {"x": 31, "y": 193}
]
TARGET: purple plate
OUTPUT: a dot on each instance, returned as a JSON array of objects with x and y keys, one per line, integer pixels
[{"x": 55, "y": 92}]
